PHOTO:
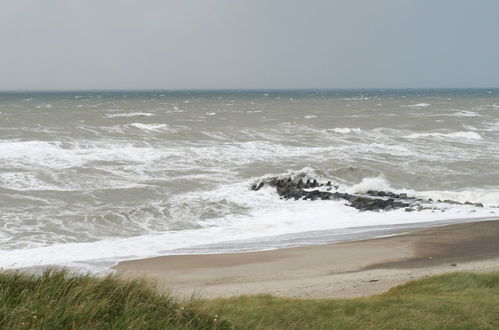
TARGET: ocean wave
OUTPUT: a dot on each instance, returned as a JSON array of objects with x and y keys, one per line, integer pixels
[
  {"x": 454, "y": 135},
  {"x": 417, "y": 105},
  {"x": 471, "y": 195},
  {"x": 371, "y": 183},
  {"x": 345, "y": 130},
  {"x": 466, "y": 114},
  {"x": 59, "y": 155},
  {"x": 149, "y": 127},
  {"x": 129, "y": 114},
  {"x": 267, "y": 216},
  {"x": 229, "y": 211}
]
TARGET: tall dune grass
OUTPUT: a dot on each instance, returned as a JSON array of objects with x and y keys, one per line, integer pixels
[{"x": 60, "y": 300}]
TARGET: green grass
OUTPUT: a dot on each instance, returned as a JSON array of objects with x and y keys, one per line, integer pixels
[
  {"x": 451, "y": 301},
  {"x": 60, "y": 300}
]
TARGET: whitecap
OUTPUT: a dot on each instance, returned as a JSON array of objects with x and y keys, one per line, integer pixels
[
  {"x": 374, "y": 183},
  {"x": 129, "y": 114},
  {"x": 149, "y": 127},
  {"x": 466, "y": 114},
  {"x": 309, "y": 116},
  {"x": 417, "y": 105},
  {"x": 346, "y": 130},
  {"x": 455, "y": 135},
  {"x": 56, "y": 154},
  {"x": 471, "y": 195},
  {"x": 361, "y": 98}
]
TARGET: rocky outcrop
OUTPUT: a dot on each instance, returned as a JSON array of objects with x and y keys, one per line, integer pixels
[{"x": 372, "y": 200}]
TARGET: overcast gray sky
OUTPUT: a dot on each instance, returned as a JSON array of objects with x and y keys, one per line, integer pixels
[{"x": 183, "y": 44}]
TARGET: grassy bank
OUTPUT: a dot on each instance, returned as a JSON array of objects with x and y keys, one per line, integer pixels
[
  {"x": 451, "y": 301},
  {"x": 58, "y": 300}
]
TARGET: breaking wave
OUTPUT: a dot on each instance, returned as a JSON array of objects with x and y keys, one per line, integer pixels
[
  {"x": 130, "y": 114},
  {"x": 455, "y": 135}
]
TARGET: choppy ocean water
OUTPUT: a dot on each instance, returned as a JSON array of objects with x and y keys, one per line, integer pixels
[{"x": 91, "y": 178}]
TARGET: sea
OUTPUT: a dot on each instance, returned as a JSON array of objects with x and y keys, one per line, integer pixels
[{"x": 91, "y": 178}]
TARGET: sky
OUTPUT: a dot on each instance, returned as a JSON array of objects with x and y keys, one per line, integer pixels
[{"x": 236, "y": 44}]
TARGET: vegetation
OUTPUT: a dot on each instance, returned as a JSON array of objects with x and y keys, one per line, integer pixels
[
  {"x": 451, "y": 301},
  {"x": 60, "y": 300}
]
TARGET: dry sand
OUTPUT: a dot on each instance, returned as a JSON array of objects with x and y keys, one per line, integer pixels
[{"x": 348, "y": 269}]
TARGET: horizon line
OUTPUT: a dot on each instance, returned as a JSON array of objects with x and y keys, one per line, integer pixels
[{"x": 237, "y": 89}]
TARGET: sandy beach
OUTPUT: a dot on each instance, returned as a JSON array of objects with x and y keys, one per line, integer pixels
[{"x": 341, "y": 270}]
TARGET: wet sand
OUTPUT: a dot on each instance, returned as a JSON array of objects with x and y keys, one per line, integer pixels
[{"x": 348, "y": 269}]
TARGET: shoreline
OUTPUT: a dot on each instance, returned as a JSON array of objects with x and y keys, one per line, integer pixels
[{"x": 338, "y": 270}]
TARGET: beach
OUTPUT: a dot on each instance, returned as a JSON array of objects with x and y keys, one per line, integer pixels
[{"x": 341, "y": 270}]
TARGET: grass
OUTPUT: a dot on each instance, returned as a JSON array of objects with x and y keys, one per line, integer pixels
[
  {"x": 60, "y": 300},
  {"x": 451, "y": 301}
]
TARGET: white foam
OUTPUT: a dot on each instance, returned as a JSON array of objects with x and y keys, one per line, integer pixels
[
  {"x": 129, "y": 114},
  {"x": 346, "y": 130},
  {"x": 471, "y": 195},
  {"x": 59, "y": 155},
  {"x": 466, "y": 114},
  {"x": 454, "y": 135},
  {"x": 487, "y": 198},
  {"x": 418, "y": 105},
  {"x": 309, "y": 116},
  {"x": 270, "y": 216},
  {"x": 24, "y": 181},
  {"x": 149, "y": 127},
  {"x": 376, "y": 183}
]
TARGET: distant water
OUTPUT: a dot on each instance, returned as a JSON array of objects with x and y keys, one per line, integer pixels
[{"x": 90, "y": 178}]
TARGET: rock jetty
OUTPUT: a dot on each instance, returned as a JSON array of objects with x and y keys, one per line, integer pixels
[{"x": 372, "y": 200}]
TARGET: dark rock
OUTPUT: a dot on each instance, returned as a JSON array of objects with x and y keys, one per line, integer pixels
[
  {"x": 372, "y": 200},
  {"x": 448, "y": 201},
  {"x": 257, "y": 187}
]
